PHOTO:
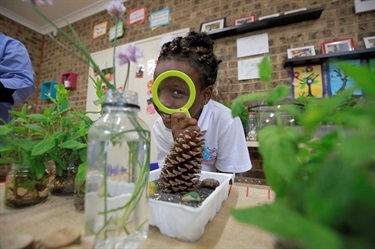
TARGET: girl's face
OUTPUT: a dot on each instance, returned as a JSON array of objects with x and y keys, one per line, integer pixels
[{"x": 174, "y": 93}]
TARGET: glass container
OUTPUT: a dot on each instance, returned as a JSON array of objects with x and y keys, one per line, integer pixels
[
  {"x": 118, "y": 160},
  {"x": 64, "y": 184},
  {"x": 23, "y": 189}
]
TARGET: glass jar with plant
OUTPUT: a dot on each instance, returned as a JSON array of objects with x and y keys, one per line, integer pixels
[
  {"x": 64, "y": 143},
  {"x": 26, "y": 182},
  {"x": 56, "y": 138},
  {"x": 324, "y": 187}
]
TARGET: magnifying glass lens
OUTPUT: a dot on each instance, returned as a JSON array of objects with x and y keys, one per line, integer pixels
[{"x": 173, "y": 93}]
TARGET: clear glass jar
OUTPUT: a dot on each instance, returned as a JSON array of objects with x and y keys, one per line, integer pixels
[
  {"x": 252, "y": 130},
  {"x": 64, "y": 184},
  {"x": 118, "y": 159},
  {"x": 23, "y": 189}
]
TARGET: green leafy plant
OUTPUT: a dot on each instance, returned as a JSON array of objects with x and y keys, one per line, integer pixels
[
  {"x": 58, "y": 133},
  {"x": 324, "y": 187}
]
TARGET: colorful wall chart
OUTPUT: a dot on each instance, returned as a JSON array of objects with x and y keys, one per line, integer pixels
[{"x": 307, "y": 81}]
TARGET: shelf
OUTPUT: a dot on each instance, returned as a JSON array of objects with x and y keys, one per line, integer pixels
[
  {"x": 365, "y": 53},
  {"x": 301, "y": 16}
]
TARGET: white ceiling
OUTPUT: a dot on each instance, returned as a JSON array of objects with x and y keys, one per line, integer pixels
[{"x": 71, "y": 10}]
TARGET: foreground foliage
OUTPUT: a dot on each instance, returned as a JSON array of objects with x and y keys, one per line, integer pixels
[{"x": 324, "y": 187}]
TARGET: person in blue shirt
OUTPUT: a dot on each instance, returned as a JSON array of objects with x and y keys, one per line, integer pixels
[{"x": 16, "y": 75}]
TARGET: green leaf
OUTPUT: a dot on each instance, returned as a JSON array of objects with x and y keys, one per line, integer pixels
[
  {"x": 238, "y": 103},
  {"x": 331, "y": 182},
  {"x": 72, "y": 144},
  {"x": 35, "y": 127},
  {"x": 279, "y": 149},
  {"x": 265, "y": 69},
  {"x": 37, "y": 117},
  {"x": 26, "y": 145},
  {"x": 81, "y": 174},
  {"x": 362, "y": 76},
  {"x": 43, "y": 146},
  {"x": 278, "y": 94},
  {"x": 6, "y": 148},
  {"x": 5, "y": 130},
  {"x": 64, "y": 105},
  {"x": 289, "y": 225}
]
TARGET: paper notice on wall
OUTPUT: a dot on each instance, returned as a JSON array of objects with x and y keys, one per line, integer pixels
[
  {"x": 252, "y": 45},
  {"x": 248, "y": 69}
]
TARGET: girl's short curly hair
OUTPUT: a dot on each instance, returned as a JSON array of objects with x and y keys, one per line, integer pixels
[{"x": 195, "y": 48}]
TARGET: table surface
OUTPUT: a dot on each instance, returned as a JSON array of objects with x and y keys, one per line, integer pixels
[{"x": 222, "y": 232}]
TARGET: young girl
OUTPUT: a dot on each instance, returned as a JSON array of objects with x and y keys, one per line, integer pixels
[{"x": 225, "y": 147}]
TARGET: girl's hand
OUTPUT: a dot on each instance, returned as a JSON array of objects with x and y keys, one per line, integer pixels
[{"x": 179, "y": 122}]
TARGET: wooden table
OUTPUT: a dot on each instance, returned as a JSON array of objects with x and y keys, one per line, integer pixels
[{"x": 222, "y": 232}]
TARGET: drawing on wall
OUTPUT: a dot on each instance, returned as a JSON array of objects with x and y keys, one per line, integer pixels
[
  {"x": 338, "y": 80},
  {"x": 150, "y": 109},
  {"x": 248, "y": 69},
  {"x": 252, "y": 45},
  {"x": 139, "y": 71},
  {"x": 307, "y": 81},
  {"x": 108, "y": 73}
]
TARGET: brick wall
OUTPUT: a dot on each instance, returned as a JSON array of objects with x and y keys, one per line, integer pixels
[{"x": 338, "y": 21}]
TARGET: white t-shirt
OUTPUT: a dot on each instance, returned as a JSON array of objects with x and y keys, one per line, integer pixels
[{"x": 225, "y": 144}]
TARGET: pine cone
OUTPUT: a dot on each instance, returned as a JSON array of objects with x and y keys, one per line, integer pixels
[{"x": 183, "y": 164}]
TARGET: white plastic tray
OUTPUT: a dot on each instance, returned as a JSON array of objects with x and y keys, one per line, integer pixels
[{"x": 184, "y": 222}]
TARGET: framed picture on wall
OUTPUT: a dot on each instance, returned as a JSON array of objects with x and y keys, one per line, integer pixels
[
  {"x": 244, "y": 19},
  {"x": 307, "y": 81},
  {"x": 300, "y": 52},
  {"x": 364, "y": 5},
  {"x": 369, "y": 42},
  {"x": 338, "y": 46},
  {"x": 213, "y": 25},
  {"x": 339, "y": 80}
]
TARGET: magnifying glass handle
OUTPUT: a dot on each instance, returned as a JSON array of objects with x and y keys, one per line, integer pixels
[{"x": 185, "y": 111}]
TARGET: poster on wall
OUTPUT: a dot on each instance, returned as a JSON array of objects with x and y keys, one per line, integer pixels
[
  {"x": 338, "y": 80},
  {"x": 100, "y": 29},
  {"x": 116, "y": 31},
  {"x": 137, "y": 16},
  {"x": 361, "y": 6},
  {"x": 252, "y": 45},
  {"x": 160, "y": 18},
  {"x": 248, "y": 69},
  {"x": 307, "y": 81}
]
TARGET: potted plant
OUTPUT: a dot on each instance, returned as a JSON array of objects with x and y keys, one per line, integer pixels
[
  {"x": 324, "y": 187},
  {"x": 55, "y": 138},
  {"x": 64, "y": 142},
  {"x": 26, "y": 183}
]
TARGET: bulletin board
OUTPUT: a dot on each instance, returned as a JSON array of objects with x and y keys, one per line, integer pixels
[{"x": 140, "y": 79}]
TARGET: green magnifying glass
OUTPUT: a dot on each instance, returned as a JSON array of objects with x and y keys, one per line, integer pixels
[{"x": 173, "y": 91}]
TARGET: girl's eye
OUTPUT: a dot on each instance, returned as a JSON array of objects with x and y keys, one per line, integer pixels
[{"x": 178, "y": 94}]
